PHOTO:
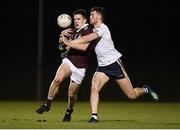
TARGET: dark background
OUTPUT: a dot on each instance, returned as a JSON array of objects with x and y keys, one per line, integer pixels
[{"x": 146, "y": 32}]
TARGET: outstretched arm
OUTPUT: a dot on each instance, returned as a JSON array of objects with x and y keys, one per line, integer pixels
[
  {"x": 77, "y": 46},
  {"x": 85, "y": 39},
  {"x": 80, "y": 43},
  {"x": 82, "y": 40}
]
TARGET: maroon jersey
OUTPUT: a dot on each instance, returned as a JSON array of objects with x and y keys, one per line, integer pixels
[{"x": 77, "y": 57}]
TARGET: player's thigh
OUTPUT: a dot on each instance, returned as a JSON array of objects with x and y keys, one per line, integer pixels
[
  {"x": 99, "y": 79},
  {"x": 63, "y": 72},
  {"x": 125, "y": 85},
  {"x": 73, "y": 88}
]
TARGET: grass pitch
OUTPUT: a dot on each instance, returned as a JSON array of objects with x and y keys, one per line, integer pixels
[{"x": 112, "y": 115}]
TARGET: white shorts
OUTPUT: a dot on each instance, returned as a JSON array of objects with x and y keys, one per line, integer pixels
[{"x": 78, "y": 74}]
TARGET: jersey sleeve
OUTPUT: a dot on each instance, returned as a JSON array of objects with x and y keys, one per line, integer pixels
[{"x": 99, "y": 31}]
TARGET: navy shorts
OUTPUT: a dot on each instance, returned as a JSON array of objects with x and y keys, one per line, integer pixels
[{"x": 114, "y": 70}]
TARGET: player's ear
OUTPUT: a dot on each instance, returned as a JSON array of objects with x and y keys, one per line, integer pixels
[
  {"x": 99, "y": 17},
  {"x": 85, "y": 20}
]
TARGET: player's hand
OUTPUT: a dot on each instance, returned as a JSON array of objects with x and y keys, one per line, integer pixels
[
  {"x": 61, "y": 39},
  {"x": 67, "y": 32},
  {"x": 64, "y": 40}
]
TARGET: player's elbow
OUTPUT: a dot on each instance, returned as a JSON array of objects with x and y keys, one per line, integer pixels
[{"x": 84, "y": 47}]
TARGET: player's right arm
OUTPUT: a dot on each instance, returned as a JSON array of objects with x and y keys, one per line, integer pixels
[
  {"x": 77, "y": 46},
  {"x": 84, "y": 39},
  {"x": 80, "y": 43}
]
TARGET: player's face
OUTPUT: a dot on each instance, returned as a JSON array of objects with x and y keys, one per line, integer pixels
[
  {"x": 79, "y": 21},
  {"x": 94, "y": 16}
]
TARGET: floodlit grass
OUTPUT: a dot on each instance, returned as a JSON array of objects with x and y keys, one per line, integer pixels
[{"x": 112, "y": 115}]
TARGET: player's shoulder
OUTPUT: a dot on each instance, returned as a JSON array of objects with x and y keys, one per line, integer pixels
[
  {"x": 86, "y": 30},
  {"x": 88, "y": 27},
  {"x": 103, "y": 26}
]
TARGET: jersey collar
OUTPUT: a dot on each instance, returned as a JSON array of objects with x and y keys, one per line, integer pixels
[{"x": 82, "y": 27}]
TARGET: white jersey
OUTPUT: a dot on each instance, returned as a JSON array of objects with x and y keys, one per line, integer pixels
[{"x": 105, "y": 50}]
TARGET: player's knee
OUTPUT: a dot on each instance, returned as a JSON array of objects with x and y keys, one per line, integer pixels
[
  {"x": 71, "y": 93},
  {"x": 131, "y": 95},
  {"x": 94, "y": 89},
  {"x": 57, "y": 81}
]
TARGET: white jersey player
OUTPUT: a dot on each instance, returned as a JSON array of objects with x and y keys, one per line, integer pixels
[{"x": 105, "y": 51}]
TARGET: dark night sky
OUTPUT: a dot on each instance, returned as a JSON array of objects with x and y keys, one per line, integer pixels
[{"x": 145, "y": 32}]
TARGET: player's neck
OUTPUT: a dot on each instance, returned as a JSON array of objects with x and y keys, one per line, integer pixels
[{"x": 97, "y": 24}]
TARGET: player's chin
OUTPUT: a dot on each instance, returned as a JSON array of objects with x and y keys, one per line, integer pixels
[
  {"x": 77, "y": 26},
  {"x": 91, "y": 22}
]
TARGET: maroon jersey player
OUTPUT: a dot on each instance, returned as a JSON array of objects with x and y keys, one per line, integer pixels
[{"x": 74, "y": 65}]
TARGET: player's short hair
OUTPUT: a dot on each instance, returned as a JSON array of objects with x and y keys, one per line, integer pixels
[
  {"x": 100, "y": 10},
  {"x": 81, "y": 12}
]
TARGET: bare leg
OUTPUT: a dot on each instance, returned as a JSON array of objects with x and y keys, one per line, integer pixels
[
  {"x": 126, "y": 86},
  {"x": 72, "y": 97},
  {"x": 62, "y": 73},
  {"x": 98, "y": 81},
  {"x": 72, "y": 94}
]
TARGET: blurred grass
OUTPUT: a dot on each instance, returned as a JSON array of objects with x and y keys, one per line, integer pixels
[{"x": 112, "y": 115}]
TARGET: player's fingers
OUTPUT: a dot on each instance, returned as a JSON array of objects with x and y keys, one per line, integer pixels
[
  {"x": 69, "y": 34},
  {"x": 64, "y": 32},
  {"x": 60, "y": 39},
  {"x": 70, "y": 29}
]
